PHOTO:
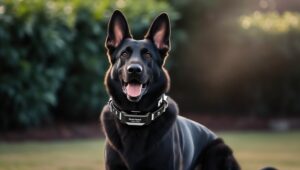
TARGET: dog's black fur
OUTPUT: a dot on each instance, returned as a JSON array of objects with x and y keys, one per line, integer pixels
[{"x": 170, "y": 142}]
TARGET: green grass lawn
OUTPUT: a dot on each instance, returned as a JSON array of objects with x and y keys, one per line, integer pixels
[
  {"x": 253, "y": 150},
  {"x": 256, "y": 150}
]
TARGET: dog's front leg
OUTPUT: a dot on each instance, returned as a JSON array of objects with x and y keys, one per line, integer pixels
[
  {"x": 218, "y": 156},
  {"x": 113, "y": 160}
]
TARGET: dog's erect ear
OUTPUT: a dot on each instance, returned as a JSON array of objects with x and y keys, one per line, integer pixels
[
  {"x": 159, "y": 33},
  {"x": 117, "y": 31}
]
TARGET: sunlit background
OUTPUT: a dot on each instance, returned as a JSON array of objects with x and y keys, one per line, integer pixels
[{"x": 234, "y": 66}]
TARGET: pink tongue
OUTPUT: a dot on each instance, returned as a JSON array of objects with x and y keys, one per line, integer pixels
[{"x": 134, "y": 90}]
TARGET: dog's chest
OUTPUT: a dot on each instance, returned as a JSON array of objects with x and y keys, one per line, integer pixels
[{"x": 147, "y": 152}]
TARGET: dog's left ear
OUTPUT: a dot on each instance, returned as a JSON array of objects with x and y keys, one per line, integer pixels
[{"x": 159, "y": 33}]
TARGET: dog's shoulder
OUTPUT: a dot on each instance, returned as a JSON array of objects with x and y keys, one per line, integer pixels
[
  {"x": 194, "y": 138},
  {"x": 105, "y": 116},
  {"x": 105, "y": 112},
  {"x": 192, "y": 127},
  {"x": 109, "y": 128}
]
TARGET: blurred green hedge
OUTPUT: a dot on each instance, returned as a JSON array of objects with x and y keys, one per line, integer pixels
[{"x": 52, "y": 57}]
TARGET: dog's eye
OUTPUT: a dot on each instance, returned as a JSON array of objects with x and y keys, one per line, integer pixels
[
  {"x": 147, "y": 55},
  {"x": 124, "y": 54}
]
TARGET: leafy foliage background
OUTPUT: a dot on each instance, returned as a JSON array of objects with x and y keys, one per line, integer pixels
[{"x": 233, "y": 57}]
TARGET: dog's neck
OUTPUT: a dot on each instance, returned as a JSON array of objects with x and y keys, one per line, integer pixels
[{"x": 136, "y": 117}]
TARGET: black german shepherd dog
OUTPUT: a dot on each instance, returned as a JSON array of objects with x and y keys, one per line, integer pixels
[{"x": 142, "y": 127}]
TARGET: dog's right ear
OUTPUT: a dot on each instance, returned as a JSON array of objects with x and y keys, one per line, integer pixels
[{"x": 117, "y": 31}]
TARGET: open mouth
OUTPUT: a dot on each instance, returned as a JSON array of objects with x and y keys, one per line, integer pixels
[{"x": 134, "y": 89}]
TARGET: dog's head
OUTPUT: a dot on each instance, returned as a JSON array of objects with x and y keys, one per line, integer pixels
[{"x": 136, "y": 73}]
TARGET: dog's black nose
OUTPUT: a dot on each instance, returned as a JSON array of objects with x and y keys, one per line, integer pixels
[{"x": 134, "y": 69}]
